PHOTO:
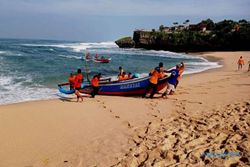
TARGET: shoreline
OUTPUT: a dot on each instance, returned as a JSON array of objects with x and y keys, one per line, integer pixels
[
  {"x": 198, "y": 54},
  {"x": 209, "y": 113}
]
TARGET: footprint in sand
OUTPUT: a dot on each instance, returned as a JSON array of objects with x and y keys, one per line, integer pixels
[
  {"x": 117, "y": 117},
  {"x": 128, "y": 124}
]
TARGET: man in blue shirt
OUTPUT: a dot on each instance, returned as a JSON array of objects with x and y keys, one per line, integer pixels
[{"x": 172, "y": 80}]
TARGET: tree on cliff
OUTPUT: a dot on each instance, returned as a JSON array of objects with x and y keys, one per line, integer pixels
[
  {"x": 161, "y": 28},
  {"x": 175, "y": 23}
]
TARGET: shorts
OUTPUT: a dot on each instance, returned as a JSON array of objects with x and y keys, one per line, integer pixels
[
  {"x": 77, "y": 88},
  {"x": 170, "y": 88}
]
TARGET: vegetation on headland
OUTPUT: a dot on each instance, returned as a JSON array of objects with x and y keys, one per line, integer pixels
[{"x": 226, "y": 35}]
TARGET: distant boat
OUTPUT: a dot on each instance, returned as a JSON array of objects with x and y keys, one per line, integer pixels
[{"x": 102, "y": 60}]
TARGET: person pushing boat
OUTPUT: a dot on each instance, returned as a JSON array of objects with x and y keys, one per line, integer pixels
[
  {"x": 71, "y": 79},
  {"x": 95, "y": 84},
  {"x": 78, "y": 84},
  {"x": 181, "y": 69},
  {"x": 155, "y": 75},
  {"x": 171, "y": 81}
]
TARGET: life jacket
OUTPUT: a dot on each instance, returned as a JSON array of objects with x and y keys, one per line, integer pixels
[
  {"x": 78, "y": 81},
  {"x": 121, "y": 78},
  {"x": 241, "y": 61},
  {"x": 95, "y": 81},
  {"x": 154, "y": 76}
]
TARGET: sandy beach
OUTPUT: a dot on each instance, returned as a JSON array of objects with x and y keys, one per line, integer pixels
[{"x": 209, "y": 113}]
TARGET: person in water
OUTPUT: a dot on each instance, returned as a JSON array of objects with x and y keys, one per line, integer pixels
[
  {"x": 181, "y": 70},
  {"x": 155, "y": 74},
  {"x": 95, "y": 84},
  {"x": 171, "y": 81},
  {"x": 71, "y": 79},
  {"x": 96, "y": 56},
  {"x": 240, "y": 63},
  {"x": 78, "y": 84}
]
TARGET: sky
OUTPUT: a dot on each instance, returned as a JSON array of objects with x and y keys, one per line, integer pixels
[{"x": 107, "y": 20}]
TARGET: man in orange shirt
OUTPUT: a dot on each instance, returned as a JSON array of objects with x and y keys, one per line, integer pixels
[
  {"x": 95, "y": 84},
  {"x": 155, "y": 74},
  {"x": 78, "y": 84},
  {"x": 240, "y": 63}
]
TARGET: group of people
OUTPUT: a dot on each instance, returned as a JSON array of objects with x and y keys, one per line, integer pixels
[
  {"x": 75, "y": 82},
  {"x": 122, "y": 75},
  {"x": 241, "y": 63},
  {"x": 172, "y": 81}
]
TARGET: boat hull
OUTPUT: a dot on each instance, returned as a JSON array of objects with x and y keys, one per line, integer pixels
[{"x": 133, "y": 87}]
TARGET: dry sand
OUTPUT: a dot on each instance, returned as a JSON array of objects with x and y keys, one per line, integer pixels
[{"x": 209, "y": 113}]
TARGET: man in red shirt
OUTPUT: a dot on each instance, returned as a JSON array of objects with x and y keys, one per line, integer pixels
[{"x": 78, "y": 84}]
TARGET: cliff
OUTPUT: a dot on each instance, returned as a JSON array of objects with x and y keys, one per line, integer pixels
[{"x": 205, "y": 36}]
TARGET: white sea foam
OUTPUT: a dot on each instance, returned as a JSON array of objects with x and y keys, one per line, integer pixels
[
  {"x": 2, "y": 52},
  {"x": 14, "y": 92},
  {"x": 70, "y": 56},
  {"x": 78, "y": 47}
]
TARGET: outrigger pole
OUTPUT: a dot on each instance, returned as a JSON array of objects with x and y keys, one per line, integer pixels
[{"x": 86, "y": 66}]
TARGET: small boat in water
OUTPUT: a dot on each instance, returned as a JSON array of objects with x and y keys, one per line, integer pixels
[
  {"x": 97, "y": 59},
  {"x": 132, "y": 87},
  {"x": 102, "y": 60}
]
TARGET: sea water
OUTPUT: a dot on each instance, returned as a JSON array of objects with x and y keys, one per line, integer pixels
[{"x": 31, "y": 69}]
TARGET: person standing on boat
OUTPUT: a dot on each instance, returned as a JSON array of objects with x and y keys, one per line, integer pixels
[
  {"x": 120, "y": 71},
  {"x": 78, "y": 84},
  {"x": 95, "y": 84},
  {"x": 171, "y": 81},
  {"x": 155, "y": 74},
  {"x": 71, "y": 79}
]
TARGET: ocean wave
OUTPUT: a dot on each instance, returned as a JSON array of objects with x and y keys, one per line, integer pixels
[
  {"x": 2, "y": 52},
  {"x": 9, "y": 53},
  {"x": 143, "y": 52},
  {"x": 14, "y": 92},
  {"x": 77, "y": 47},
  {"x": 70, "y": 56}
]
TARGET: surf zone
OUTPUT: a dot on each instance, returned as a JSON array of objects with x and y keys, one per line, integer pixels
[{"x": 130, "y": 86}]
